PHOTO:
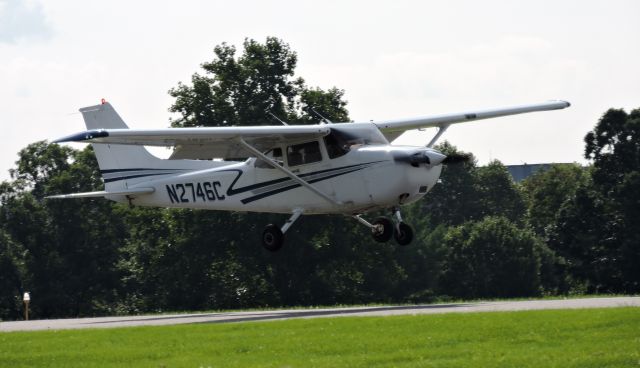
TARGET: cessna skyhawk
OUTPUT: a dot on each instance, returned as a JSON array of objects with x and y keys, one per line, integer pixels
[{"x": 348, "y": 168}]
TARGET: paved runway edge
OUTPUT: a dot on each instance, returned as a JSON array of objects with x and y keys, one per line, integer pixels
[{"x": 248, "y": 316}]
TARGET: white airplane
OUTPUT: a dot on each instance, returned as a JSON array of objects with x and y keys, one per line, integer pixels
[{"x": 348, "y": 168}]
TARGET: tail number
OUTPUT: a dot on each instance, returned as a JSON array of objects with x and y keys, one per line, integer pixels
[{"x": 207, "y": 191}]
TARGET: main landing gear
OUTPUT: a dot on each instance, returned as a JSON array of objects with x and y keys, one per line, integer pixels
[
  {"x": 273, "y": 236},
  {"x": 382, "y": 229}
]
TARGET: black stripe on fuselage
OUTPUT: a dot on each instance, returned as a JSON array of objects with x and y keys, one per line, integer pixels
[
  {"x": 296, "y": 185},
  {"x": 109, "y": 171},
  {"x": 232, "y": 191},
  {"x": 131, "y": 175},
  {"x": 136, "y": 176}
]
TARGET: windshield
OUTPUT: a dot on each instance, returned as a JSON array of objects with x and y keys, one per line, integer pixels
[{"x": 340, "y": 141}]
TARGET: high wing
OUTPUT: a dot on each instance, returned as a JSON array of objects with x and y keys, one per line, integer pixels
[
  {"x": 226, "y": 142},
  {"x": 393, "y": 128},
  {"x": 203, "y": 143}
]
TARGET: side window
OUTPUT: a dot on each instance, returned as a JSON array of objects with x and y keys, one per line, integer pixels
[
  {"x": 304, "y": 153},
  {"x": 274, "y": 154}
]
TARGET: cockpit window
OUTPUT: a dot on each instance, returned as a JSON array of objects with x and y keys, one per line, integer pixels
[
  {"x": 274, "y": 154},
  {"x": 341, "y": 141},
  {"x": 304, "y": 153}
]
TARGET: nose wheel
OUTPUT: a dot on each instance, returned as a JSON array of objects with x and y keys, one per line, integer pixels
[
  {"x": 403, "y": 234},
  {"x": 383, "y": 229}
]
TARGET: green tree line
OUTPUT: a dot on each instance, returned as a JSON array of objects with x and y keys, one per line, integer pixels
[{"x": 478, "y": 234}]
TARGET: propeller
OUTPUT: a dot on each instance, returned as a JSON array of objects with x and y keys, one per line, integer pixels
[{"x": 427, "y": 156}]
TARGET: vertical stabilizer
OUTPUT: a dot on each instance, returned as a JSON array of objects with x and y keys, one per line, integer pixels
[
  {"x": 115, "y": 156},
  {"x": 117, "y": 160}
]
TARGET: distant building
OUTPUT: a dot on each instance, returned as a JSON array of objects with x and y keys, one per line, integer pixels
[{"x": 521, "y": 172}]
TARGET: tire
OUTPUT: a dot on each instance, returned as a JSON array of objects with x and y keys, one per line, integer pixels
[
  {"x": 405, "y": 234},
  {"x": 272, "y": 238},
  {"x": 387, "y": 232}
]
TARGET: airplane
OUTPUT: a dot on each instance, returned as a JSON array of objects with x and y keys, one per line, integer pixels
[{"x": 328, "y": 168}]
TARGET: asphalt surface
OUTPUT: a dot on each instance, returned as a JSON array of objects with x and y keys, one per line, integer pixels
[{"x": 174, "y": 319}]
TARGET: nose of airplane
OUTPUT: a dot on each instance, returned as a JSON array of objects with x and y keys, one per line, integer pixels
[{"x": 435, "y": 157}]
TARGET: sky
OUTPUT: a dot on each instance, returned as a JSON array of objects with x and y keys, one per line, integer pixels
[{"x": 394, "y": 59}]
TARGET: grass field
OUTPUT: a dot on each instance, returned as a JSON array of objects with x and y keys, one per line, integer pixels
[{"x": 563, "y": 338}]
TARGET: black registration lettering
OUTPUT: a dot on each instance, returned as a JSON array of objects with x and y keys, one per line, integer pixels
[
  {"x": 171, "y": 190},
  {"x": 200, "y": 192},
  {"x": 182, "y": 191},
  {"x": 206, "y": 191},
  {"x": 216, "y": 185},
  {"x": 209, "y": 191},
  {"x": 193, "y": 192}
]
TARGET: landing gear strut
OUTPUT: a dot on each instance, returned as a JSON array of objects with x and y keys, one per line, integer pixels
[
  {"x": 273, "y": 236},
  {"x": 382, "y": 229}
]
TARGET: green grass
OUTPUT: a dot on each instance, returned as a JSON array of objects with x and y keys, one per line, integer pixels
[{"x": 562, "y": 338}]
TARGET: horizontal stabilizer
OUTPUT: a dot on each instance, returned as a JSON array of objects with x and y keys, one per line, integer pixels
[{"x": 103, "y": 193}]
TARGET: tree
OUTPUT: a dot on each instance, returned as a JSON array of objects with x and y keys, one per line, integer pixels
[
  {"x": 491, "y": 258},
  {"x": 455, "y": 200},
  {"x": 244, "y": 90},
  {"x": 70, "y": 248},
  {"x": 547, "y": 190},
  {"x": 579, "y": 238},
  {"x": 468, "y": 192},
  {"x": 614, "y": 147},
  {"x": 12, "y": 266},
  {"x": 498, "y": 194},
  {"x": 597, "y": 231}
]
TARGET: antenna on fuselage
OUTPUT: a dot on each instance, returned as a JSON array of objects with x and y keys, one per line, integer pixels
[
  {"x": 277, "y": 118},
  {"x": 323, "y": 119}
]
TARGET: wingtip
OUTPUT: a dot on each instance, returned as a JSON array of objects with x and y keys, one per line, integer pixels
[{"x": 560, "y": 104}]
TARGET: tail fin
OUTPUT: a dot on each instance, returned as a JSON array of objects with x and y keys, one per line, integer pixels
[
  {"x": 123, "y": 166},
  {"x": 115, "y": 156},
  {"x": 116, "y": 161}
]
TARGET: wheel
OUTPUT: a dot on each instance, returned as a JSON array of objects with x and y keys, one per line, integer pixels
[
  {"x": 404, "y": 234},
  {"x": 272, "y": 238},
  {"x": 383, "y": 230}
]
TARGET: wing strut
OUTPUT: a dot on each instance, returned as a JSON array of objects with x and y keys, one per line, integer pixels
[
  {"x": 293, "y": 176},
  {"x": 441, "y": 130}
]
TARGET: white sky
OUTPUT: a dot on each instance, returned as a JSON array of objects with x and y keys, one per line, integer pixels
[{"x": 394, "y": 59}]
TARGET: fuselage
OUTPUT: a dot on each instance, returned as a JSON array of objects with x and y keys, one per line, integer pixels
[{"x": 354, "y": 166}]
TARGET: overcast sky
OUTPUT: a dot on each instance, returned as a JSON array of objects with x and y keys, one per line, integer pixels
[{"x": 394, "y": 59}]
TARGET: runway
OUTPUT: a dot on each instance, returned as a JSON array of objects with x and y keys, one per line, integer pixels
[{"x": 228, "y": 317}]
